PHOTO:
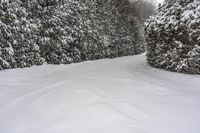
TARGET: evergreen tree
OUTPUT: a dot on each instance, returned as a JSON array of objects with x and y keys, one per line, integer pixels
[
  {"x": 59, "y": 33},
  {"x": 18, "y": 35},
  {"x": 173, "y": 37},
  {"x": 65, "y": 31}
]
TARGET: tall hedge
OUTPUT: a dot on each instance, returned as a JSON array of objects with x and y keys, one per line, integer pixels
[
  {"x": 64, "y": 31},
  {"x": 173, "y": 36}
]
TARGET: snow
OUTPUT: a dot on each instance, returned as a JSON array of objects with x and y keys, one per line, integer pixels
[
  {"x": 159, "y": 1},
  {"x": 122, "y": 95}
]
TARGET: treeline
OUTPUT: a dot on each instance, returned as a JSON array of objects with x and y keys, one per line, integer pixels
[{"x": 64, "y": 31}]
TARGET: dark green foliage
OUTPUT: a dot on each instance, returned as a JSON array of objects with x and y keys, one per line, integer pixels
[
  {"x": 173, "y": 37},
  {"x": 19, "y": 47},
  {"x": 65, "y": 31},
  {"x": 60, "y": 34}
]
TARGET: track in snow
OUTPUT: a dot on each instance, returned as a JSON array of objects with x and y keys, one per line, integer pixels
[{"x": 122, "y": 95}]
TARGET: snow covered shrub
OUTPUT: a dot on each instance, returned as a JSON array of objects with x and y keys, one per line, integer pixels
[
  {"x": 18, "y": 45},
  {"x": 105, "y": 32},
  {"x": 65, "y": 31},
  {"x": 74, "y": 31},
  {"x": 118, "y": 34},
  {"x": 59, "y": 33},
  {"x": 173, "y": 36}
]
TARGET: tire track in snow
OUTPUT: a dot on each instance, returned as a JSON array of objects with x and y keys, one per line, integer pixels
[{"x": 38, "y": 94}]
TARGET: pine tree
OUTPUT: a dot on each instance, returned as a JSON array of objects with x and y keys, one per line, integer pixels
[
  {"x": 173, "y": 36},
  {"x": 18, "y": 36},
  {"x": 59, "y": 33},
  {"x": 65, "y": 31}
]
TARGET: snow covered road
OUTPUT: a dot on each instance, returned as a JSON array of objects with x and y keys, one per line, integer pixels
[{"x": 122, "y": 95}]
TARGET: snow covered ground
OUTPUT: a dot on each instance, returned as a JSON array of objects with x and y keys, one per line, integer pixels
[{"x": 122, "y": 95}]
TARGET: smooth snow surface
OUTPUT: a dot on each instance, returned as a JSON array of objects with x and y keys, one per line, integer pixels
[{"x": 122, "y": 95}]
